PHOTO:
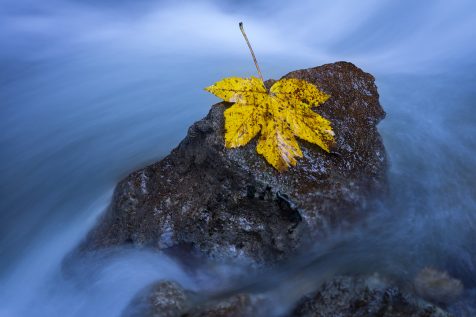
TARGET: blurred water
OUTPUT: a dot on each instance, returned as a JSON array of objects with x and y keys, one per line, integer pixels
[{"x": 91, "y": 90}]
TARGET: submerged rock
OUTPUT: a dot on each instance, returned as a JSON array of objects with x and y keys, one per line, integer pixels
[
  {"x": 230, "y": 204},
  {"x": 437, "y": 286},
  {"x": 362, "y": 297}
]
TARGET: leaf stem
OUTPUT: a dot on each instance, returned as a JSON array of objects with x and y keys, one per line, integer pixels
[{"x": 251, "y": 50}]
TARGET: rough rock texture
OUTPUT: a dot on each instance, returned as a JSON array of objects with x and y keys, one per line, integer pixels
[
  {"x": 369, "y": 296},
  {"x": 360, "y": 297},
  {"x": 169, "y": 299},
  {"x": 231, "y": 204},
  {"x": 162, "y": 299}
]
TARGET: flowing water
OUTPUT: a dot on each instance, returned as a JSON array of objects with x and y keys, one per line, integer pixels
[{"x": 91, "y": 90}]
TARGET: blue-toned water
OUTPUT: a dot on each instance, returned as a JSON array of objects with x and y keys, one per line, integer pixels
[{"x": 91, "y": 90}]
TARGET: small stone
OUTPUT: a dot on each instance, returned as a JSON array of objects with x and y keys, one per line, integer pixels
[
  {"x": 363, "y": 297},
  {"x": 437, "y": 286},
  {"x": 239, "y": 305},
  {"x": 162, "y": 299}
]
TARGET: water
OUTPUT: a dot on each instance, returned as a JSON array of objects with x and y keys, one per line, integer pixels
[{"x": 91, "y": 90}]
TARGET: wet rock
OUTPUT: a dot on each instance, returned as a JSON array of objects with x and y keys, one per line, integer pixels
[
  {"x": 230, "y": 204},
  {"x": 437, "y": 286},
  {"x": 162, "y": 299},
  {"x": 169, "y": 299},
  {"x": 363, "y": 297},
  {"x": 239, "y": 305}
]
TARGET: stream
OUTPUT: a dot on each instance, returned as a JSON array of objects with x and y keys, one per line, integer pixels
[{"x": 92, "y": 90}]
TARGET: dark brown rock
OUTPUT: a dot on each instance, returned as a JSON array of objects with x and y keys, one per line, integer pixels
[
  {"x": 230, "y": 204},
  {"x": 363, "y": 297}
]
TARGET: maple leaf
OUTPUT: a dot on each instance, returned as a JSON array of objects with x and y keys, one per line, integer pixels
[{"x": 278, "y": 116}]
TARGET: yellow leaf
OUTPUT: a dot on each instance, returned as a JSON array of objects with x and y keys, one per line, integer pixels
[
  {"x": 279, "y": 115},
  {"x": 277, "y": 142},
  {"x": 298, "y": 90},
  {"x": 242, "y": 123},
  {"x": 236, "y": 89},
  {"x": 311, "y": 127}
]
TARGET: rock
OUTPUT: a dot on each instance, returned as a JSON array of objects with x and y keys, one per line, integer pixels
[
  {"x": 437, "y": 286},
  {"x": 231, "y": 205},
  {"x": 169, "y": 299},
  {"x": 239, "y": 305},
  {"x": 162, "y": 299},
  {"x": 358, "y": 297}
]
